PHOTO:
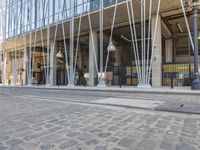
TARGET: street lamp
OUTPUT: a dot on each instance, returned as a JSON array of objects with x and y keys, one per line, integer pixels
[
  {"x": 199, "y": 36},
  {"x": 59, "y": 54},
  {"x": 196, "y": 81},
  {"x": 111, "y": 47}
]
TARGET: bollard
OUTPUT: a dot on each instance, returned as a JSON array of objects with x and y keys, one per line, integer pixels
[{"x": 172, "y": 86}]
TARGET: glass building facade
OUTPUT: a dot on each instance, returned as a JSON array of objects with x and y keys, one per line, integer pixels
[
  {"x": 93, "y": 42},
  {"x": 28, "y": 15}
]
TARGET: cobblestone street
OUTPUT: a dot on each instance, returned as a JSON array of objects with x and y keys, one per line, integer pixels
[{"x": 29, "y": 120}]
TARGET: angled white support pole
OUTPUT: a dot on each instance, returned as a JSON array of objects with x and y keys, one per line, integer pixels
[
  {"x": 43, "y": 53},
  {"x": 14, "y": 66},
  {"x": 187, "y": 25},
  {"x": 30, "y": 47},
  {"x": 48, "y": 45},
  {"x": 4, "y": 60},
  {"x": 101, "y": 23},
  {"x": 111, "y": 34},
  {"x": 66, "y": 53},
  {"x": 148, "y": 43},
  {"x": 34, "y": 49},
  {"x": 25, "y": 75},
  {"x": 53, "y": 59},
  {"x": 77, "y": 44},
  {"x": 5, "y": 54},
  {"x": 48, "y": 58},
  {"x": 92, "y": 39},
  {"x": 134, "y": 38},
  {"x": 53, "y": 63},
  {"x": 142, "y": 39},
  {"x": 93, "y": 50},
  {"x": 1, "y": 58},
  {"x": 71, "y": 68},
  {"x": 136, "y": 43},
  {"x": 15, "y": 62},
  {"x": 144, "y": 83}
]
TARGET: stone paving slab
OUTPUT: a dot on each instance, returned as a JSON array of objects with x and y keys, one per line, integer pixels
[
  {"x": 137, "y": 103},
  {"x": 184, "y": 107}
]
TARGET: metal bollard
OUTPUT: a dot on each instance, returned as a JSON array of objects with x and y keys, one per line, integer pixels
[{"x": 172, "y": 85}]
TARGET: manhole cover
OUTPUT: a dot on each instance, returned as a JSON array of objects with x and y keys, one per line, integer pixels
[{"x": 180, "y": 107}]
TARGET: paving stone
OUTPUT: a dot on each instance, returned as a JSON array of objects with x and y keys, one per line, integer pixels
[
  {"x": 126, "y": 142},
  {"x": 189, "y": 135},
  {"x": 190, "y": 140},
  {"x": 46, "y": 147},
  {"x": 100, "y": 148},
  {"x": 4, "y": 137},
  {"x": 92, "y": 142},
  {"x": 73, "y": 134},
  {"x": 116, "y": 148},
  {"x": 113, "y": 139},
  {"x": 68, "y": 144},
  {"x": 3, "y": 148},
  {"x": 188, "y": 129},
  {"x": 185, "y": 146},
  {"x": 14, "y": 142},
  {"x": 175, "y": 127},
  {"x": 49, "y": 125},
  {"x": 85, "y": 137},
  {"x": 162, "y": 124},
  {"x": 104, "y": 134},
  {"x": 147, "y": 144},
  {"x": 33, "y": 136},
  {"x": 168, "y": 144},
  {"x": 95, "y": 130}
]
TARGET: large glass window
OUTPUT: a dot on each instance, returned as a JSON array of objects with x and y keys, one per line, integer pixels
[{"x": 25, "y": 15}]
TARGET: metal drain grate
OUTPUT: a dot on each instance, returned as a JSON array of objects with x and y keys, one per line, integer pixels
[{"x": 185, "y": 107}]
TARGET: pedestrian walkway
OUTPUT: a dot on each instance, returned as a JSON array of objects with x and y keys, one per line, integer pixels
[
  {"x": 166, "y": 89},
  {"x": 46, "y": 123}
]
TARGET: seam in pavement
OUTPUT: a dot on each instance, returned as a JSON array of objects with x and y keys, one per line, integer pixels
[{"x": 103, "y": 104}]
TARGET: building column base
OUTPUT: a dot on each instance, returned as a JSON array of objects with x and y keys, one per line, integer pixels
[
  {"x": 71, "y": 85},
  {"x": 195, "y": 84},
  {"x": 147, "y": 86},
  {"x": 101, "y": 84},
  {"x": 47, "y": 85}
]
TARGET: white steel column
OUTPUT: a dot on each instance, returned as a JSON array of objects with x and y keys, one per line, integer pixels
[
  {"x": 157, "y": 54},
  {"x": 25, "y": 73},
  {"x": 93, "y": 37},
  {"x": 169, "y": 50},
  {"x": 5, "y": 55},
  {"x": 53, "y": 63},
  {"x": 71, "y": 72},
  {"x": 101, "y": 22}
]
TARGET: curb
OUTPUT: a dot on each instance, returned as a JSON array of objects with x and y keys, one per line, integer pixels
[{"x": 121, "y": 90}]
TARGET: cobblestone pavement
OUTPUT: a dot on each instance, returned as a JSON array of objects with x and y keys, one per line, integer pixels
[{"x": 31, "y": 123}]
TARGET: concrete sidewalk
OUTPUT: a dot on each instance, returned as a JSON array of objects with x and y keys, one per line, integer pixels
[{"x": 163, "y": 90}]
